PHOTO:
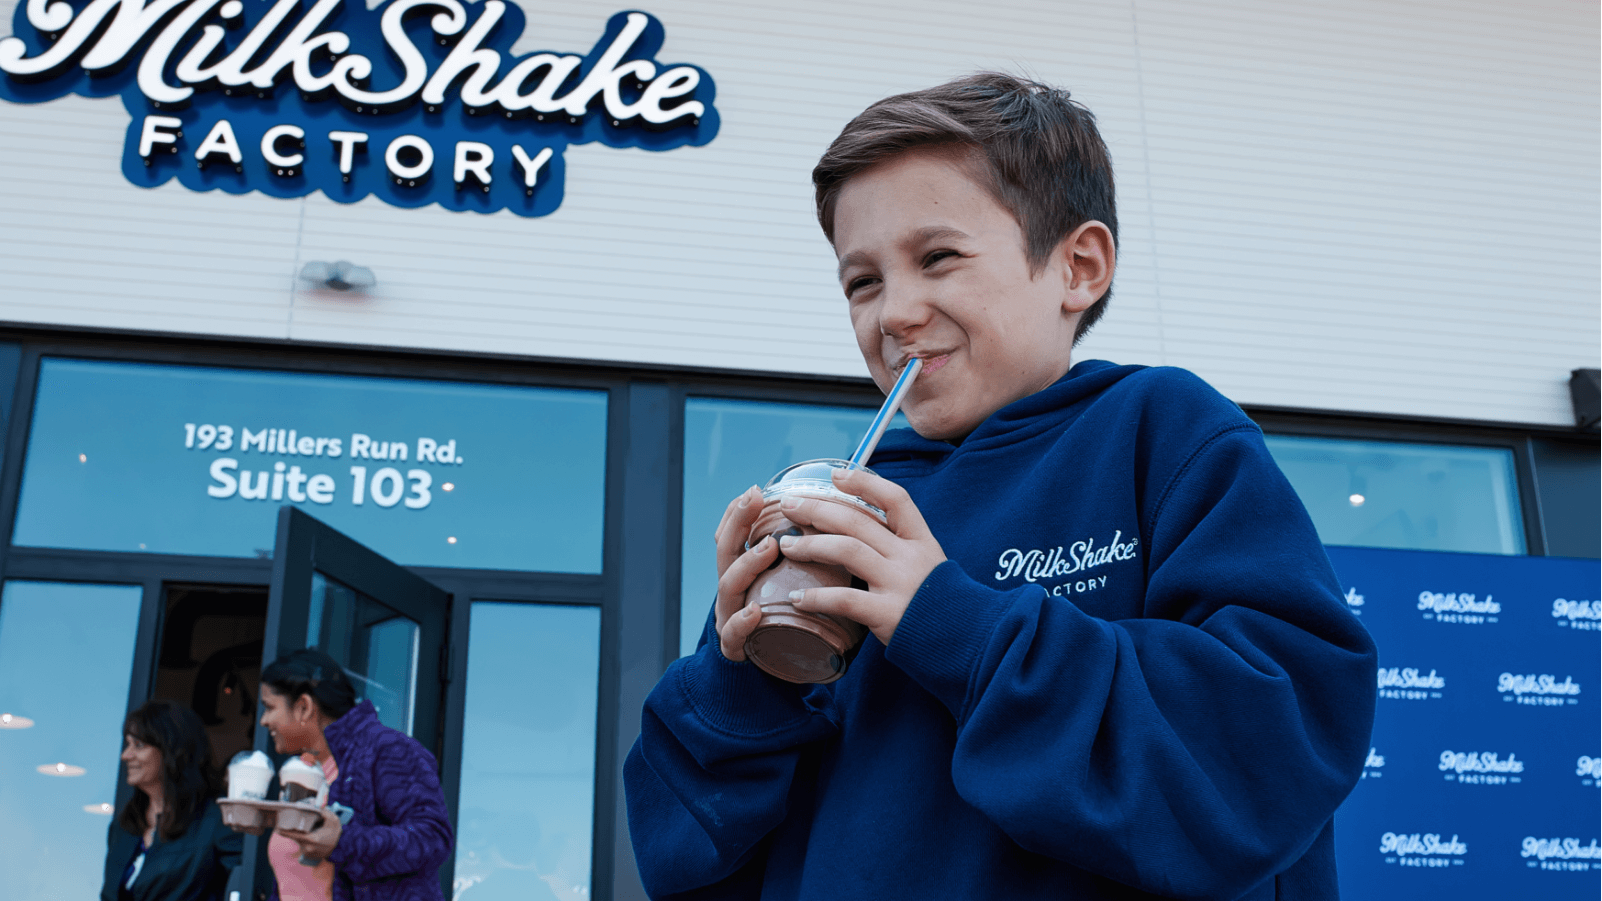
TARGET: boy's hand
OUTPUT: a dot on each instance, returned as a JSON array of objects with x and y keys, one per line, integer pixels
[
  {"x": 893, "y": 560},
  {"x": 737, "y": 569}
]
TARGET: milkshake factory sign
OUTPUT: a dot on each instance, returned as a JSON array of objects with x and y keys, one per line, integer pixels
[{"x": 412, "y": 101}]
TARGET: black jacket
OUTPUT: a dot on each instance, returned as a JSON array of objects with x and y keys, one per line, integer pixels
[{"x": 192, "y": 867}]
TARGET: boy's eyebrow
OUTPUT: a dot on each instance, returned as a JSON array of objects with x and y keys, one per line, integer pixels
[{"x": 921, "y": 236}]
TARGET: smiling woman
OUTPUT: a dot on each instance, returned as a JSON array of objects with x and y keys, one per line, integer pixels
[
  {"x": 169, "y": 842},
  {"x": 399, "y": 831}
]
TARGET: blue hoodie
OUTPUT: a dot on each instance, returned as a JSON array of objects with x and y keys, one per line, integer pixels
[{"x": 1134, "y": 674}]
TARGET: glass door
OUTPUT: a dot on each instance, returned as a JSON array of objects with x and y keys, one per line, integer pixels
[{"x": 384, "y": 624}]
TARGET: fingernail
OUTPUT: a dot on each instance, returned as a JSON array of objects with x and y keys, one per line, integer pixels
[
  {"x": 798, "y": 594},
  {"x": 787, "y": 541},
  {"x": 763, "y": 544},
  {"x": 789, "y": 503}
]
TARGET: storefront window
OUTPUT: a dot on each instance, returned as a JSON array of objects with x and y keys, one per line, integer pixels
[
  {"x": 190, "y": 460},
  {"x": 1431, "y": 497},
  {"x": 65, "y": 654},
  {"x": 729, "y": 445},
  {"x": 526, "y": 809}
]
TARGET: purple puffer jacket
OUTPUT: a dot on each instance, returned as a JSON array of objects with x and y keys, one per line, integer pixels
[{"x": 392, "y": 848}]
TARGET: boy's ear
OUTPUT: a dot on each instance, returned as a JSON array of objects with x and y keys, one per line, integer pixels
[{"x": 1089, "y": 257}]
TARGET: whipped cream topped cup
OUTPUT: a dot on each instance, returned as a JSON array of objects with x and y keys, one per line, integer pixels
[
  {"x": 249, "y": 774},
  {"x": 302, "y": 783}
]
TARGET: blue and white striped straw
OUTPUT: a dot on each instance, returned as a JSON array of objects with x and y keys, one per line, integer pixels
[{"x": 892, "y": 403}]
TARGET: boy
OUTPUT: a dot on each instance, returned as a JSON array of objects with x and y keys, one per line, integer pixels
[{"x": 1108, "y": 657}]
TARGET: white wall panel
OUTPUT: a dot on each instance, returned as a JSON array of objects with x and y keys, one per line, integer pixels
[{"x": 1385, "y": 207}]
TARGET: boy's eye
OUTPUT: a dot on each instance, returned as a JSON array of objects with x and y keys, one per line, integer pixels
[
  {"x": 857, "y": 284},
  {"x": 936, "y": 256}
]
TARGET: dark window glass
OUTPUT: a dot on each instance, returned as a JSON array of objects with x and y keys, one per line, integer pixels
[
  {"x": 527, "y": 801},
  {"x": 189, "y": 460},
  {"x": 1430, "y": 497},
  {"x": 66, "y": 651}
]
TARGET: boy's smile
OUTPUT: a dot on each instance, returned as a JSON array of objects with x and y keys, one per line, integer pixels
[{"x": 934, "y": 267}]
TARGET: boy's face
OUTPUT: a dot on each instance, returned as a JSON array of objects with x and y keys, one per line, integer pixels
[{"x": 934, "y": 267}]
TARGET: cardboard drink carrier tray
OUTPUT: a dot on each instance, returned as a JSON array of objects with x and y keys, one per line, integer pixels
[{"x": 256, "y": 817}]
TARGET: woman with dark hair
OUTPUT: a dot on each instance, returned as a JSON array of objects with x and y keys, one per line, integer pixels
[
  {"x": 169, "y": 841},
  {"x": 400, "y": 831}
]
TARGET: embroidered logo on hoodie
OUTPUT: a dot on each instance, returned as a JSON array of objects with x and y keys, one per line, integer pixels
[{"x": 1050, "y": 563}]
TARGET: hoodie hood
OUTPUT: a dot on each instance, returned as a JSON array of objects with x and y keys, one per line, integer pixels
[{"x": 904, "y": 452}]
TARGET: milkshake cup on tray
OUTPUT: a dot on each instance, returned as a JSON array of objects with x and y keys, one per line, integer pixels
[
  {"x": 249, "y": 774},
  {"x": 302, "y": 783},
  {"x": 303, "y": 791},
  {"x": 787, "y": 643}
]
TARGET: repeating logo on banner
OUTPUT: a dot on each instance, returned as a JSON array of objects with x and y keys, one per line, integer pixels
[
  {"x": 1463, "y": 608},
  {"x": 1589, "y": 769},
  {"x": 1410, "y": 684},
  {"x": 1561, "y": 854},
  {"x": 1484, "y": 732},
  {"x": 1577, "y": 614},
  {"x": 1543, "y": 690},
  {"x": 414, "y": 101},
  {"x": 1484, "y": 768},
  {"x": 1422, "y": 849}
]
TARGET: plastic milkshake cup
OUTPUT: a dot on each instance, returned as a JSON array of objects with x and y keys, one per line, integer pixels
[
  {"x": 302, "y": 783},
  {"x": 787, "y": 643},
  {"x": 249, "y": 774}
]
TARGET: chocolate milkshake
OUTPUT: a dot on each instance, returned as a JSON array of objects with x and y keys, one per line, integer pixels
[
  {"x": 787, "y": 643},
  {"x": 302, "y": 783}
]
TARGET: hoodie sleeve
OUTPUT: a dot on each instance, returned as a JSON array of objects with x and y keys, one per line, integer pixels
[
  {"x": 413, "y": 833},
  {"x": 710, "y": 775},
  {"x": 1193, "y": 752}
]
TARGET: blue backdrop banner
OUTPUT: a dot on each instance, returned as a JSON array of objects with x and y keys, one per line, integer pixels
[{"x": 1482, "y": 782}]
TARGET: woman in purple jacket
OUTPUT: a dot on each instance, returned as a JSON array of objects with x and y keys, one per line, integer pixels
[{"x": 400, "y": 833}]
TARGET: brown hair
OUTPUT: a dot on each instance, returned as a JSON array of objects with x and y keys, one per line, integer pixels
[
  {"x": 1043, "y": 159},
  {"x": 188, "y": 779}
]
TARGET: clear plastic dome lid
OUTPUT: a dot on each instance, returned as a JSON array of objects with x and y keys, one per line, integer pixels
[{"x": 814, "y": 478}]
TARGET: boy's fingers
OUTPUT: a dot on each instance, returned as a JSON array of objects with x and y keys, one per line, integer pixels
[
  {"x": 838, "y": 519},
  {"x": 859, "y": 558},
  {"x": 735, "y": 525},
  {"x": 851, "y": 603},
  {"x": 731, "y": 638},
  {"x": 905, "y": 519},
  {"x": 739, "y": 575}
]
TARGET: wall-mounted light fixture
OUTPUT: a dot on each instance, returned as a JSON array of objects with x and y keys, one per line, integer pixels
[
  {"x": 340, "y": 276},
  {"x": 1583, "y": 394}
]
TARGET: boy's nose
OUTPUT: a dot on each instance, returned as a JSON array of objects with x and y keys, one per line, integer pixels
[{"x": 904, "y": 310}]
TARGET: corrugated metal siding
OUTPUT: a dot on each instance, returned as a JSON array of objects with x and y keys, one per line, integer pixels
[{"x": 1385, "y": 207}]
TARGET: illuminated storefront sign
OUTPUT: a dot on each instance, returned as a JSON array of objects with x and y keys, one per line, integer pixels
[{"x": 413, "y": 101}]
